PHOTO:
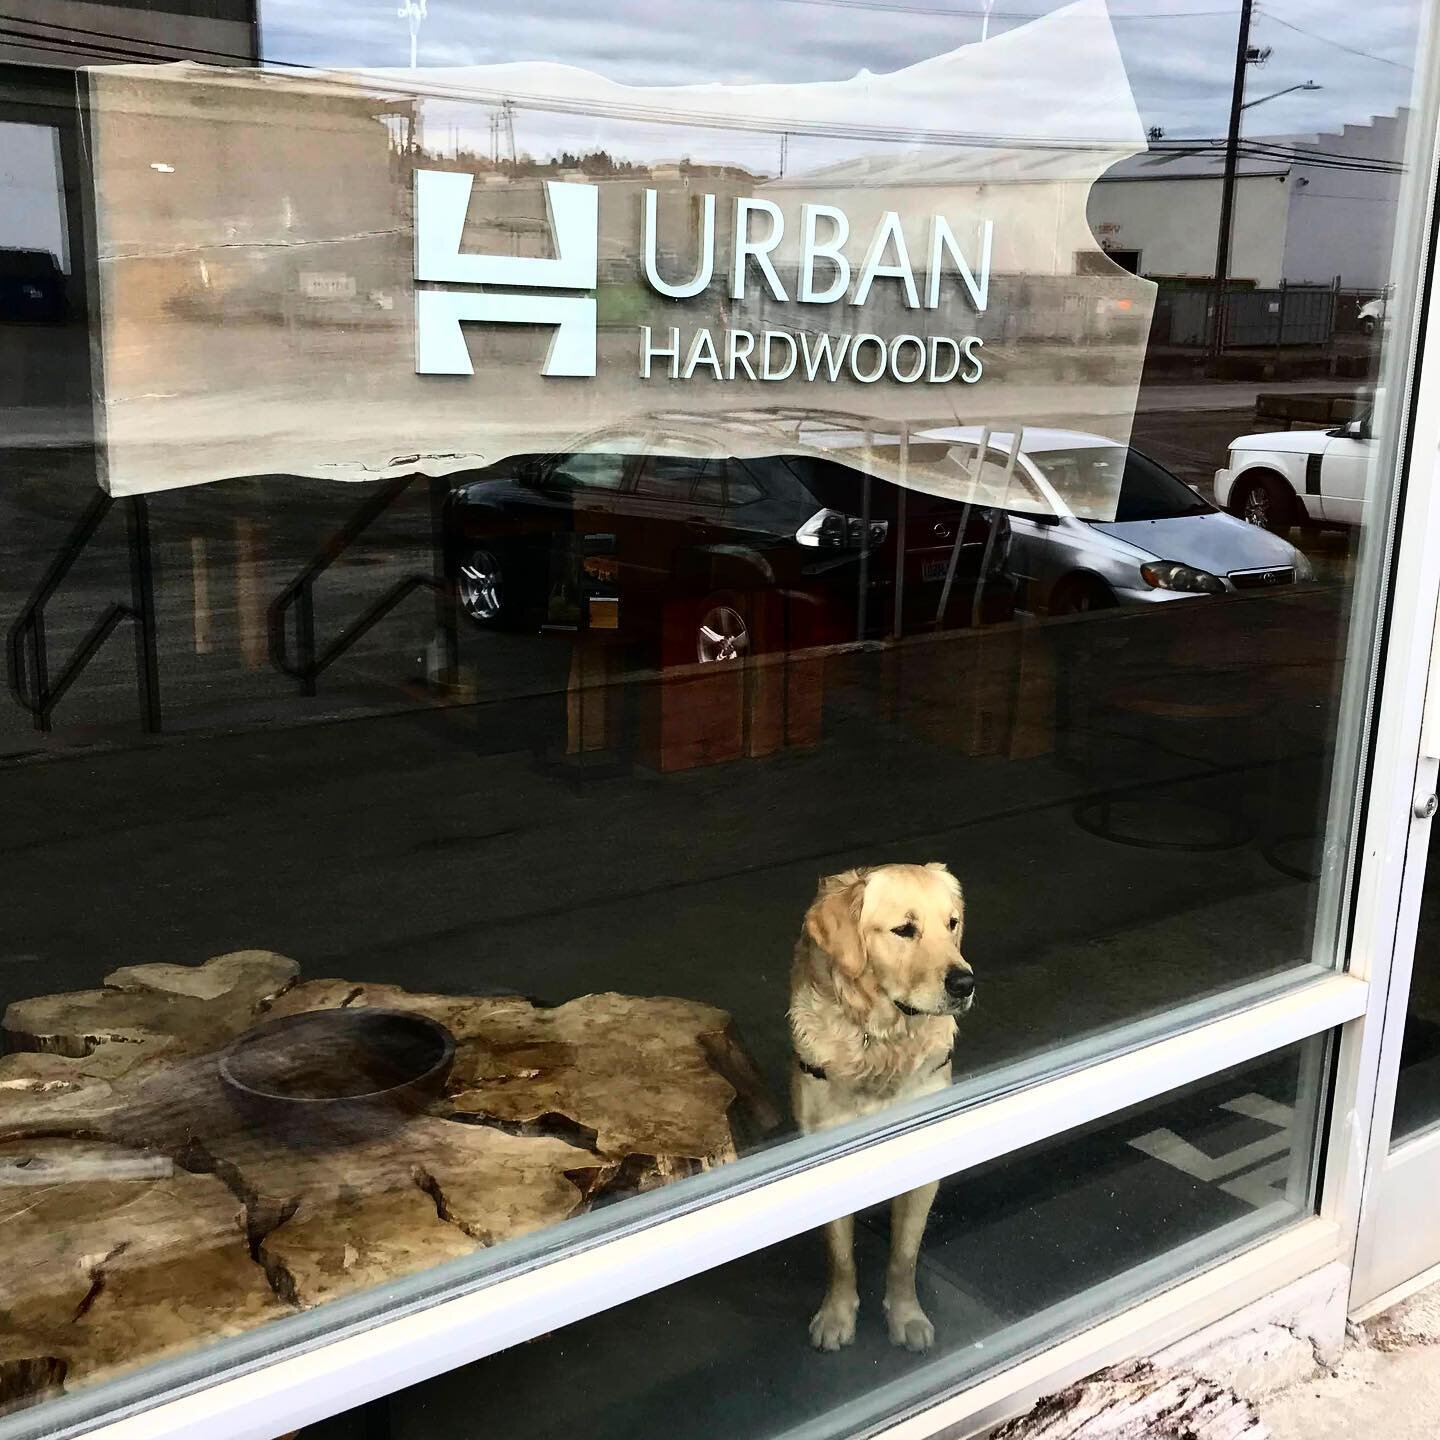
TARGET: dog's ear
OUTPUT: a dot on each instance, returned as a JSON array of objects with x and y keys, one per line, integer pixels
[
  {"x": 952, "y": 884},
  {"x": 833, "y": 920}
]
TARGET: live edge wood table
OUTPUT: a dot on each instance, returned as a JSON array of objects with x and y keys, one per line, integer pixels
[{"x": 142, "y": 1215}]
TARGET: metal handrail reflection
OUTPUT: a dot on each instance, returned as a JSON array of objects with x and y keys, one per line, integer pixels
[
  {"x": 309, "y": 664},
  {"x": 31, "y": 683}
]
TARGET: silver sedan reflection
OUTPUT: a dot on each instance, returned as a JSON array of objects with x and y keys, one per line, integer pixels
[{"x": 1164, "y": 542}]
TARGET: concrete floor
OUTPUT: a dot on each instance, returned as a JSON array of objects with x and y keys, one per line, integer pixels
[{"x": 1373, "y": 1393}]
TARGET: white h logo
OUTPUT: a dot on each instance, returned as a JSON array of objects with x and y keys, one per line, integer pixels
[{"x": 442, "y": 198}]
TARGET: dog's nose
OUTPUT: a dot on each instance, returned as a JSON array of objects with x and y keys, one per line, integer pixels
[{"x": 959, "y": 982}]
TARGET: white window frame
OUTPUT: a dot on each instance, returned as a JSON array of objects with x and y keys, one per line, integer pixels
[
  {"x": 1388, "y": 898},
  {"x": 1384, "y": 925}
]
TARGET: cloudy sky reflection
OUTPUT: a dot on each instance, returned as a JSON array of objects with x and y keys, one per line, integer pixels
[{"x": 1179, "y": 53}]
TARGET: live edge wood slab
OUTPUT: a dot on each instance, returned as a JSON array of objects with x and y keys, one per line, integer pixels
[{"x": 142, "y": 1215}]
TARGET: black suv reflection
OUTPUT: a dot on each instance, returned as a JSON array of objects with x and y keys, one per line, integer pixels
[{"x": 690, "y": 551}]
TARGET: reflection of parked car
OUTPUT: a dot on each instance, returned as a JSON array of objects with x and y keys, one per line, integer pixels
[
  {"x": 1164, "y": 543},
  {"x": 620, "y": 531},
  {"x": 32, "y": 286},
  {"x": 1294, "y": 477}
]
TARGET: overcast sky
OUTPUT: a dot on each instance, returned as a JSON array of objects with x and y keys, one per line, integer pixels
[{"x": 1179, "y": 53}]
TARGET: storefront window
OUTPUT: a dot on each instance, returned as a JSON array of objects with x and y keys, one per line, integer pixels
[
  {"x": 1017, "y": 1254},
  {"x": 633, "y": 592}
]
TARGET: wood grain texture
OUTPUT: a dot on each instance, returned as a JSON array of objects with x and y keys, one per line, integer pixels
[{"x": 144, "y": 1213}]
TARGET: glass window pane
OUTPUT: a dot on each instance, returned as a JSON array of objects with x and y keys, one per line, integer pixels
[
  {"x": 668, "y": 477},
  {"x": 1417, "y": 1093},
  {"x": 594, "y": 471},
  {"x": 1013, "y": 1254},
  {"x": 401, "y": 782},
  {"x": 710, "y": 483},
  {"x": 742, "y": 484}
]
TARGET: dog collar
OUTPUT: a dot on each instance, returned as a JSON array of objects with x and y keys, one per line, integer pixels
[{"x": 818, "y": 1071}]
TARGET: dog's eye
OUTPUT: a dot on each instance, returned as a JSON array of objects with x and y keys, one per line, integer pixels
[
  {"x": 907, "y": 931},
  {"x": 954, "y": 922}
]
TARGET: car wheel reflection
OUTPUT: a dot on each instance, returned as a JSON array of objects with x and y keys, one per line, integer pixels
[
  {"x": 723, "y": 635},
  {"x": 482, "y": 587},
  {"x": 1262, "y": 505},
  {"x": 1080, "y": 595}
]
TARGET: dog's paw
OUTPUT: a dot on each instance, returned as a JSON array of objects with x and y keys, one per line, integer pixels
[
  {"x": 909, "y": 1326},
  {"x": 834, "y": 1324}
]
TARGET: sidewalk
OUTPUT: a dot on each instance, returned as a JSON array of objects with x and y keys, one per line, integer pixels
[
  {"x": 1387, "y": 1383},
  {"x": 1183, "y": 395},
  {"x": 1287, "y": 1368}
]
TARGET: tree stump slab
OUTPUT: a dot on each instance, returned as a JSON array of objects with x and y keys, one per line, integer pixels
[
  {"x": 28, "y": 1371},
  {"x": 195, "y": 1007},
  {"x": 657, "y": 1082},
  {"x": 114, "y": 1253},
  {"x": 244, "y": 980},
  {"x": 634, "y": 1072},
  {"x": 145, "y": 1213},
  {"x": 1139, "y": 1402},
  {"x": 435, "y": 1192}
]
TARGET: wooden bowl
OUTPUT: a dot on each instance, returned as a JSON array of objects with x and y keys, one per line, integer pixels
[{"x": 337, "y": 1076}]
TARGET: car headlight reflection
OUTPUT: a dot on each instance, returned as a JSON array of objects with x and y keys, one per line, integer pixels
[
  {"x": 833, "y": 530},
  {"x": 1172, "y": 575}
]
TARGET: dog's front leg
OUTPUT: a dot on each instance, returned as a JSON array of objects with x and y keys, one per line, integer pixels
[
  {"x": 834, "y": 1322},
  {"x": 909, "y": 1324}
]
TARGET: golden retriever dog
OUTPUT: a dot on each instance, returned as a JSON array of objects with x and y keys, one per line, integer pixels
[{"x": 877, "y": 983}]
